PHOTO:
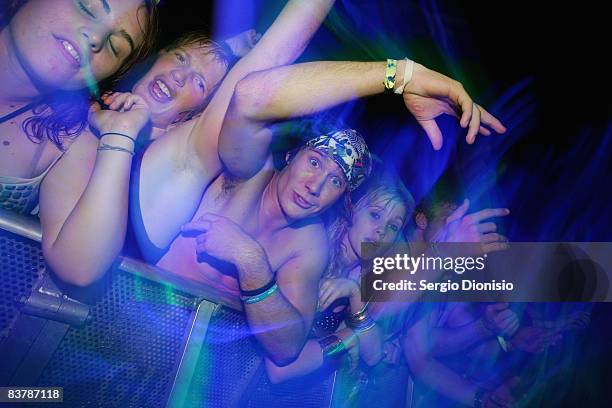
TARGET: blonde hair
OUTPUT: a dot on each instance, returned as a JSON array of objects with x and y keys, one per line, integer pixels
[{"x": 384, "y": 190}]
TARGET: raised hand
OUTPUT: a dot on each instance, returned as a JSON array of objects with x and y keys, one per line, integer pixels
[
  {"x": 470, "y": 228},
  {"x": 430, "y": 94},
  {"x": 126, "y": 113}
]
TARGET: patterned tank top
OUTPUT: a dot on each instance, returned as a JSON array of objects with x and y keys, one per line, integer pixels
[
  {"x": 20, "y": 195},
  {"x": 17, "y": 194}
]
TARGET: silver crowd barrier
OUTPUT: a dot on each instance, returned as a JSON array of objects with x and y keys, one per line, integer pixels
[{"x": 142, "y": 337}]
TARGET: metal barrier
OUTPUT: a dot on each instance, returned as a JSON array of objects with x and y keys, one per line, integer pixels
[{"x": 142, "y": 337}]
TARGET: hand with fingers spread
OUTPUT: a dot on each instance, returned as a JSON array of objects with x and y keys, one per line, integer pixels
[
  {"x": 470, "y": 228},
  {"x": 430, "y": 94},
  {"x": 333, "y": 289},
  {"x": 500, "y": 320},
  {"x": 127, "y": 113},
  {"x": 221, "y": 238}
]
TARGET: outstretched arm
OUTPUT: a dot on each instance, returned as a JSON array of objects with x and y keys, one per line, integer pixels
[{"x": 303, "y": 89}]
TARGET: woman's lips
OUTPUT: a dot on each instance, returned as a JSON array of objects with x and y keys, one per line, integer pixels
[{"x": 70, "y": 52}]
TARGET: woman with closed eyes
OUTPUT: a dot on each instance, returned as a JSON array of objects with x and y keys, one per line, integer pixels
[{"x": 53, "y": 55}]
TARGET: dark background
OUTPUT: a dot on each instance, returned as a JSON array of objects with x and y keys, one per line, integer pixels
[{"x": 543, "y": 72}]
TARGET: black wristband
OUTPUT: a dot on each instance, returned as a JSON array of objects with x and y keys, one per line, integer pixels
[{"x": 258, "y": 291}]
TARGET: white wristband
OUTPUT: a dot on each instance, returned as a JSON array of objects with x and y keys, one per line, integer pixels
[{"x": 408, "y": 69}]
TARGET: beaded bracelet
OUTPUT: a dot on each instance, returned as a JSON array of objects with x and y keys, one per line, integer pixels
[
  {"x": 390, "y": 72},
  {"x": 258, "y": 298},
  {"x": 104, "y": 146}
]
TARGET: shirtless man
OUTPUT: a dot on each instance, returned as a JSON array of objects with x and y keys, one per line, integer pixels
[{"x": 266, "y": 222}]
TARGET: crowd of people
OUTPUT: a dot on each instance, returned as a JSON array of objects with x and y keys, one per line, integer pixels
[{"x": 185, "y": 158}]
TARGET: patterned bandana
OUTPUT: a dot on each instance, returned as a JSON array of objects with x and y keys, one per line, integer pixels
[{"x": 348, "y": 149}]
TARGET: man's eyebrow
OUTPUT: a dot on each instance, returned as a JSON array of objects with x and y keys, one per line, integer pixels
[
  {"x": 324, "y": 156},
  {"x": 106, "y": 6}
]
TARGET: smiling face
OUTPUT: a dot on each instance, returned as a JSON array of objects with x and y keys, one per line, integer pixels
[
  {"x": 311, "y": 183},
  {"x": 179, "y": 83},
  {"x": 65, "y": 44},
  {"x": 376, "y": 220}
]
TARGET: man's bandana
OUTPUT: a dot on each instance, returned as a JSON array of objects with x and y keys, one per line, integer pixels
[{"x": 348, "y": 149}]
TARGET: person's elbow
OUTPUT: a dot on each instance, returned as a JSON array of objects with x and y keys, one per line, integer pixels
[
  {"x": 283, "y": 353},
  {"x": 276, "y": 374},
  {"x": 72, "y": 271},
  {"x": 249, "y": 100},
  {"x": 283, "y": 356}
]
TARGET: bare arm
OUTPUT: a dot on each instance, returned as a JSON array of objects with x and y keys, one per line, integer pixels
[
  {"x": 302, "y": 89},
  {"x": 281, "y": 321},
  {"x": 370, "y": 349},
  {"x": 185, "y": 160},
  {"x": 83, "y": 202},
  {"x": 281, "y": 44},
  {"x": 310, "y": 358}
]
